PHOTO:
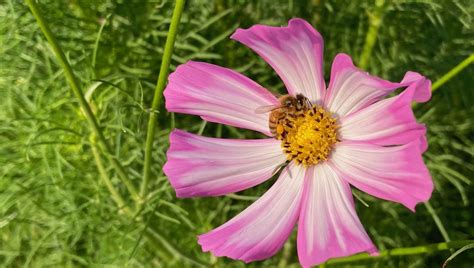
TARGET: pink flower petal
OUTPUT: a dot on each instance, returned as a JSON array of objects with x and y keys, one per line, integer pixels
[
  {"x": 352, "y": 89},
  {"x": 219, "y": 95},
  {"x": 200, "y": 166},
  {"x": 395, "y": 173},
  {"x": 420, "y": 83},
  {"x": 328, "y": 226},
  {"x": 390, "y": 121},
  {"x": 261, "y": 230},
  {"x": 295, "y": 52}
]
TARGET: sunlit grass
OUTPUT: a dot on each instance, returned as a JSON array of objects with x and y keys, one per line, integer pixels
[{"x": 56, "y": 210}]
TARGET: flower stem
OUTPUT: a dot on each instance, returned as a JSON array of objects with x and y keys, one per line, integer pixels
[
  {"x": 74, "y": 84},
  {"x": 450, "y": 74},
  {"x": 437, "y": 221},
  {"x": 375, "y": 20},
  {"x": 157, "y": 98},
  {"x": 96, "y": 43},
  {"x": 105, "y": 178},
  {"x": 404, "y": 251},
  {"x": 459, "y": 251},
  {"x": 453, "y": 72},
  {"x": 173, "y": 250}
]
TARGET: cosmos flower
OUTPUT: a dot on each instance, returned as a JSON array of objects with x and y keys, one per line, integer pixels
[{"x": 354, "y": 133}]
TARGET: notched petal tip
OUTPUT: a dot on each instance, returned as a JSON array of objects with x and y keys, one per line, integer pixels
[
  {"x": 373, "y": 252},
  {"x": 429, "y": 188},
  {"x": 352, "y": 89},
  {"x": 247, "y": 236},
  {"x": 299, "y": 21},
  {"x": 394, "y": 173},
  {"x": 294, "y": 22},
  {"x": 422, "y": 92},
  {"x": 295, "y": 52},
  {"x": 342, "y": 60}
]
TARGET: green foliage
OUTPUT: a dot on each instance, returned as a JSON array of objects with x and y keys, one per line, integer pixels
[{"x": 56, "y": 211}]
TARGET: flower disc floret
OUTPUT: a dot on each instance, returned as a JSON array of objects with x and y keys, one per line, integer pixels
[{"x": 308, "y": 138}]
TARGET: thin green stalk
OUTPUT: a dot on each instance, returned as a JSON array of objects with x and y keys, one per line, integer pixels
[
  {"x": 450, "y": 74},
  {"x": 286, "y": 254},
  {"x": 202, "y": 127},
  {"x": 404, "y": 251},
  {"x": 459, "y": 251},
  {"x": 437, "y": 221},
  {"x": 105, "y": 178},
  {"x": 174, "y": 251},
  {"x": 173, "y": 121},
  {"x": 375, "y": 20},
  {"x": 122, "y": 207},
  {"x": 157, "y": 98},
  {"x": 96, "y": 43},
  {"x": 74, "y": 84},
  {"x": 453, "y": 72}
]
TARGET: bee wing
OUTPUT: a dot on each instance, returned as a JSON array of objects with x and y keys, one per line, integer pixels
[{"x": 266, "y": 108}]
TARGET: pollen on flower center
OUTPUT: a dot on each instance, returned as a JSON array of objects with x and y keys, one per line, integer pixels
[{"x": 308, "y": 136}]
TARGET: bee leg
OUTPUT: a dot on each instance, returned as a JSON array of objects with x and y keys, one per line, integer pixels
[
  {"x": 279, "y": 168},
  {"x": 288, "y": 170}
]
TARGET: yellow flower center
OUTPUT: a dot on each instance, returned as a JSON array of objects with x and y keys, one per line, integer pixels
[{"x": 308, "y": 136}]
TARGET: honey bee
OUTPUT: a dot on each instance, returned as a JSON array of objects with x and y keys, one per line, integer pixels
[{"x": 290, "y": 106}]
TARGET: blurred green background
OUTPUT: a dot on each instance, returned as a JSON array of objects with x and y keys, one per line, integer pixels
[{"x": 56, "y": 211}]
